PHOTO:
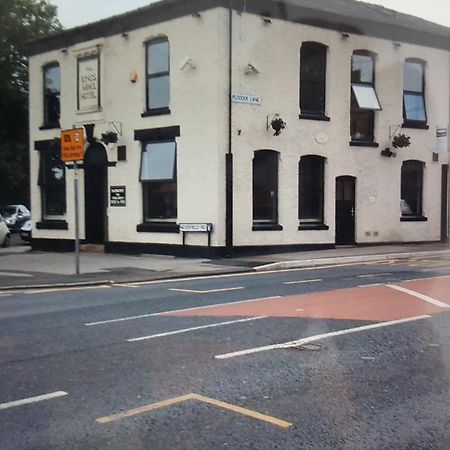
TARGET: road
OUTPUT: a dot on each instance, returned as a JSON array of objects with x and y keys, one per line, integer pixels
[{"x": 342, "y": 357}]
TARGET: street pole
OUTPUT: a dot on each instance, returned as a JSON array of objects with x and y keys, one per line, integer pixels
[{"x": 77, "y": 232}]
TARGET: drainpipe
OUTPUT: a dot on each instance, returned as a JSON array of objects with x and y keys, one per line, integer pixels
[{"x": 229, "y": 154}]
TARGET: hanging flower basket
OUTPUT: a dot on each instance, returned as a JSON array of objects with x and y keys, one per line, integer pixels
[
  {"x": 277, "y": 124},
  {"x": 401, "y": 141},
  {"x": 388, "y": 153},
  {"x": 109, "y": 138}
]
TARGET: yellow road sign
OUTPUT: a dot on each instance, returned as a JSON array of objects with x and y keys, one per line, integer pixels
[{"x": 72, "y": 144}]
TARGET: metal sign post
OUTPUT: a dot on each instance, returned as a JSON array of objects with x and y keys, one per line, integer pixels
[
  {"x": 77, "y": 232},
  {"x": 72, "y": 149}
]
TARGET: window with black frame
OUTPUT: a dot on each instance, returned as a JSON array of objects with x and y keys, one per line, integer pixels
[
  {"x": 411, "y": 189},
  {"x": 414, "y": 110},
  {"x": 52, "y": 182},
  {"x": 158, "y": 176},
  {"x": 52, "y": 93},
  {"x": 313, "y": 63},
  {"x": 158, "y": 77},
  {"x": 265, "y": 190},
  {"x": 364, "y": 99},
  {"x": 311, "y": 191}
]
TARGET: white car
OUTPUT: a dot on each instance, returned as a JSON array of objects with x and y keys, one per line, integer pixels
[{"x": 4, "y": 233}]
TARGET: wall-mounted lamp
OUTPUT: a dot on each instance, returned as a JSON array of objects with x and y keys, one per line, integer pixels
[
  {"x": 266, "y": 21},
  {"x": 397, "y": 44},
  {"x": 249, "y": 69},
  {"x": 345, "y": 35},
  {"x": 124, "y": 35},
  {"x": 134, "y": 76},
  {"x": 196, "y": 15},
  {"x": 64, "y": 50},
  {"x": 187, "y": 62}
]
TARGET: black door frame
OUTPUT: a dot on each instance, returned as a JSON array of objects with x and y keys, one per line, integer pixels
[
  {"x": 345, "y": 213},
  {"x": 95, "y": 193},
  {"x": 444, "y": 203}
]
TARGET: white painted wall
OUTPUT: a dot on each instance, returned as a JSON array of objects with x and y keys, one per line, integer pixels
[{"x": 199, "y": 106}]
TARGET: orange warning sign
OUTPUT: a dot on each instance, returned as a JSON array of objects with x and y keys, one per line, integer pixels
[{"x": 72, "y": 144}]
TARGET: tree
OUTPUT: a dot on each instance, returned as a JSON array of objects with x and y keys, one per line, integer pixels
[{"x": 21, "y": 21}]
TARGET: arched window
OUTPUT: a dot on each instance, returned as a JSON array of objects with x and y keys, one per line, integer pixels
[
  {"x": 411, "y": 189},
  {"x": 52, "y": 92},
  {"x": 313, "y": 65},
  {"x": 158, "y": 76},
  {"x": 311, "y": 190},
  {"x": 364, "y": 99},
  {"x": 414, "y": 110},
  {"x": 265, "y": 189}
]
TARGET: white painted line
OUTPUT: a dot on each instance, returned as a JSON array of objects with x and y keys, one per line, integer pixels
[
  {"x": 124, "y": 285},
  {"x": 174, "y": 311},
  {"x": 299, "y": 309},
  {"x": 5, "y": 295},
  {"x": 29, "y": 400},
  {"x": 425, "y": 278},
  {"x": 423, "y": 297},
  {"x": 370, "y": 285},
  {"x": 210, "y": 291},
  {"x": 16, "y": 274},
  {"x": 75, "y": 288},
  {"x": 318, "y": 337},
  {"x": 369, "y": 275},
  {"x": 303, "y": 281},
  {"x": 201, "y": 327}
]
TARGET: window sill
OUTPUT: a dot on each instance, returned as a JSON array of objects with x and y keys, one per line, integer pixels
[
  {"x": 155, "y": 112},
  {"x": 364, "y": 144},
  {"x": 413, "y": 219},
  {"x": 50, "y": 126},
  {"x": 313, "y": 226},
  {"x": 417, "y": 125},
  {"x": 267, "y": 227},
  {"x": 158, "y": 227},
  {"x": 52, "y": 225},
  {"x": 311, "y": 116}
]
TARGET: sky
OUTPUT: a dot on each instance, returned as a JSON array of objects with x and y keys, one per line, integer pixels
[{"x": 72, "y": 13}]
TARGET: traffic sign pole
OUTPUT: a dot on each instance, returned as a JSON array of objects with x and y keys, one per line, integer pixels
[
  {"x": 72, "y": 150},
  {"x": 77, "y": 231}
]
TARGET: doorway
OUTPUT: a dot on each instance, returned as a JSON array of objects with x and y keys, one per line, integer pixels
[
  {"x": 345, "y": 210},
  {"x": 95, "y": 193}
]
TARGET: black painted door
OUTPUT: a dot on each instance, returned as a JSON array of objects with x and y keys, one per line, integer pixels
[
  {"x": 345, "y": 210},
  {"x": 95, "y": 193},
  {"x": 444, "y": 203}
]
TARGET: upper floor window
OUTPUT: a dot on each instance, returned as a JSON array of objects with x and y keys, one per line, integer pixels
[
  {"x": 265, "y": 189},
  {"x": 52, "y": 93},
  {"x": 411, "y": 189},
  {"x": 364, "y": 99},
  {"x": 414, "y": 111},
  {"x": 158, "y": 76},
  {"x": 313, "y": 63},
  {"x": 159, "y": 181},
  {"x": 311, "y": 190}
]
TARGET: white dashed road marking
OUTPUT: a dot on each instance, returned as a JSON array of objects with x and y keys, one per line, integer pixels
[{"x": 27, "y": 401}]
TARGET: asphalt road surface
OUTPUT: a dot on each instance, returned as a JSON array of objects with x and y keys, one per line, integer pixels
[{"x": 347, "y": 357}]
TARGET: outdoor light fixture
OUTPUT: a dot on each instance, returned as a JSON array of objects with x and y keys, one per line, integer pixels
[
  {"x": 124, "y": 34},
  {"x": 345, "y": 35},
  {"x": 187, "y": 62},
  {"x": 197, "y": 15},
  {"x": 266, "y": 21},
  {"x": 250, "y": 68},
  {"x": 64, "y": 50}
]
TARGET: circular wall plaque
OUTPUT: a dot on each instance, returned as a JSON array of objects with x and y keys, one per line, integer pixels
[{"x": 322, "y": 138}]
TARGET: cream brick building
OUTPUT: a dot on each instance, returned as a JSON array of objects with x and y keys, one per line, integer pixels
[{"x": 196, "y": 92}]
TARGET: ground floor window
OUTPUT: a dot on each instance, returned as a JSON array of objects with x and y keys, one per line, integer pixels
[
  {"x": 265, "y": 187},
  {"x": 411, "y": 188},
  {"x": 52, "y": 182},
  {"x": 311, "y": 189},
  {"x": 158, "y": 176}
]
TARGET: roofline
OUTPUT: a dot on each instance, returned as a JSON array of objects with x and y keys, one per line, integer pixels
[{"x": 437, "y": 37}]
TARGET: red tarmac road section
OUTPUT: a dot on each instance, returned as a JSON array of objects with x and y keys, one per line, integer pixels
[{"x": 372, "y": 303}]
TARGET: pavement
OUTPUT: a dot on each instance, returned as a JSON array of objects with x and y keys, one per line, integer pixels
[{"x": 22, "y": 268}]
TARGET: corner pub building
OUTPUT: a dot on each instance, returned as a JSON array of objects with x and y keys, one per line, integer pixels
[{"x": 273, "y": 124}]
